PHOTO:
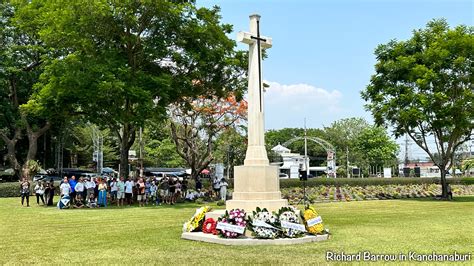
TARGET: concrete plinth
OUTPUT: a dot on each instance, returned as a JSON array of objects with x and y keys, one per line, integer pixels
[
  {"x": 256, "y": 186},
  {"x": 199, "y": 236}
]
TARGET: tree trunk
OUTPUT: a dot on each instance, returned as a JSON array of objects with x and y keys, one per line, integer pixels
[
  {"x": 444, "y": 184},
  {"x": 126, "y": 141},
  {"x": 33, "y": 146},
  {"x": 11, "y": 151}
]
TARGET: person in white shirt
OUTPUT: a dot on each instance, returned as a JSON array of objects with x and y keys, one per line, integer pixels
[
  {"x": 113, "y": 189},
  {"x": 65, "y": 188},
  {"x": 223, "y": 189},
  {"x": 90, "y": 186},
  {"x": 39, "y": 192},
  {"x": 79, "y": 188},
  {"x": 129, "y": 191}
]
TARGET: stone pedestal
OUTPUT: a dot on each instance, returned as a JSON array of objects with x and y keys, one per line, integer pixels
[{"x": 256, "y": 186}]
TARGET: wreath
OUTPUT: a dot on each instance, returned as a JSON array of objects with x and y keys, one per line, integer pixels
[
  {"x": 288, "y": 215},
  {"x": 195, "y": 223},
  {"x": 232, "y": 217},
  {"x": 209, "y": 226},
  {"x": 313, "y": 222},
  {"x": 263, "y": 224}
]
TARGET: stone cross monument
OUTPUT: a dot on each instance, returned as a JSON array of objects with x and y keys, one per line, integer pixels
[{"x": 256, "y": 183}]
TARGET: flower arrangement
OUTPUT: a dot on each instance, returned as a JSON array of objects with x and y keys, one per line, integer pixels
[
  {"x": 288, "y": 215},
  {"x": 263, "y": 224},
  {"x": 310, "y": 214},
  {"x": 195, "y": 223},
  {"x": 209, "y": 226},
  {"x": 234, "y": 217}
]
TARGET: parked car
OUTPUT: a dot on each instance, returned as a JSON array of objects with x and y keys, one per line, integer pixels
[
  {"x": 40, "y": 177},
  {"x": 283, "y": 176}
]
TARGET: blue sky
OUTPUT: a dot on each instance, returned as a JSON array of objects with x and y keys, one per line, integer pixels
[{"x": 322, "y": 54}]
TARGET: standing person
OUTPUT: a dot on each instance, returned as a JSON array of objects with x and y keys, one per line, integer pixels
[
  {"x": 39, "y": 192},
  {"x": 96, "y": 188},
  {"x": 172, "y": 190},
  {"x": 113, "y": 190},
  {"x": 163, "y": 186},
  {"x": 73, "y": 183},
  {"x": 184, "y": 187},
  {"x": 216, "y": 186},
  {"x": 147, "y": 191},
  {"x": 153, "y": 195},
  {"x": 25, "y": 192},
  {"x": 129, "y": 191},
  {"x": 178, "y": 189},
  {"x": 51, "y": 190},
  {"x": 140, "y": 192},
  {"x": 65, "y": 188},
  {"x": 223, "y": 189},
  {"x": 198, "y": 185},
  {"x": 120, "y": 192},
  {"x": 90, "y": 187},
  {"x": 102, "y": 192},
  {"x": 79, "y": 188}
]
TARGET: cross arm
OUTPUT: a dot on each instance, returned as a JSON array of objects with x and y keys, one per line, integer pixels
[{"x": 246, "y": 37}]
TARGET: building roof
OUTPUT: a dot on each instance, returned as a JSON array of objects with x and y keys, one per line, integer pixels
[{"x": 280, "y": 149}]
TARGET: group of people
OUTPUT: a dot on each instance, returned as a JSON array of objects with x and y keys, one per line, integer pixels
[
  {"x": 94, "y": 192},
  {"x": 43, "y": 191}
]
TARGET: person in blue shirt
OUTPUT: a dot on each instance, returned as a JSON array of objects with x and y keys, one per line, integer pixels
[
  {"x": 73, "y": 183},
  {"x": 147, "y": 191}
]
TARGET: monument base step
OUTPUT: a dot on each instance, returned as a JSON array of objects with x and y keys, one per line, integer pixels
[
  {"x": 251, "y": 205},
  {"x": 247, "y": 241}
]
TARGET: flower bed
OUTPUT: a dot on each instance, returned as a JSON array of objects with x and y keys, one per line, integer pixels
[{"x": 372, "y": 192}]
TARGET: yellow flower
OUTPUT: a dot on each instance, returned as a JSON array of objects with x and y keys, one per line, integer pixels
[{"x": 310, "y": 213}]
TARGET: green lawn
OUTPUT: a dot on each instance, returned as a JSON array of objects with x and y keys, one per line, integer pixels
[{"x": 152, "y": 235}]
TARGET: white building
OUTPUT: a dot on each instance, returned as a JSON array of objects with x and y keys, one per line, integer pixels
[{"x": 292, "y": 162}]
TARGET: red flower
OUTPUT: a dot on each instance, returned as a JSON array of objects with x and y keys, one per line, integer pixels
[{"x": 209, "y": 226}]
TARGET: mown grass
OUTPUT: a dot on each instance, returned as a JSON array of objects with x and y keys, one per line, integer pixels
[{"x": 151, "y": 235}]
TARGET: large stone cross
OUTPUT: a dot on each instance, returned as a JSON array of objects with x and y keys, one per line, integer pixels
[{"x": 256, "y": 152}]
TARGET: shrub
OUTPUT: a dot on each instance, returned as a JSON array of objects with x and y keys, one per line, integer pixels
[
  {"x": 220, "y": 203},
  {"x": 10, "y": 189}
]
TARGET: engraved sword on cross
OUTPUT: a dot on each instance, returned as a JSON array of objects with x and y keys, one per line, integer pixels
[{"x": 253, "y": 38}]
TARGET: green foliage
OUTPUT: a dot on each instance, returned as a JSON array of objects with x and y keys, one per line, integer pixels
[
  {"x": 10, "y": 189},
  {"x": 122, "y": 63},
  {"x": 423, "y": 87},
  {"x": 376, "y": 147},
  {"x": 220, "y": 203},
  {"x": 343, "y": 134}
]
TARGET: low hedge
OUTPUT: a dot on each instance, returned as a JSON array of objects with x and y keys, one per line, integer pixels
[
  {"x": 12, "y": 189},
  {"x": 9, "y": 189},
  {"x": 313, "y": 182}
]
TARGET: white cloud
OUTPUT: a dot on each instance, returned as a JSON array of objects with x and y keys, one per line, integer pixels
[
  {"x": 299, "y": 95},
  {"x": 287, "y": 105}
]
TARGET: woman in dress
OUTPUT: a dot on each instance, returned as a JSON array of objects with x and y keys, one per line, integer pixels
[{"x": 102, "y": 193}]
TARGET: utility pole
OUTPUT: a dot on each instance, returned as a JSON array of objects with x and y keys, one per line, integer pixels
[
  {"x": 141, "y": 155},
  {"x": 347, "y": 162},
  {"x": 406, "y": 151},
  {"x": 306, "y": 163}
]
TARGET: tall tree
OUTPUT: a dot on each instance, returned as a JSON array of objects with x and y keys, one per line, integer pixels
[
  {"x": 375, "y": 147},
  {"x": 423, "y": 87},
  {"x": 343, "y": 134},
  {"x": 21, "y": 63},
  {"x": 195, "y": 126},
  {"x": 126, "y": 61}
]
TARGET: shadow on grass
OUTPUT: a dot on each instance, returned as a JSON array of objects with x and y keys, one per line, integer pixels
[{"x": 469, "y": 198}]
